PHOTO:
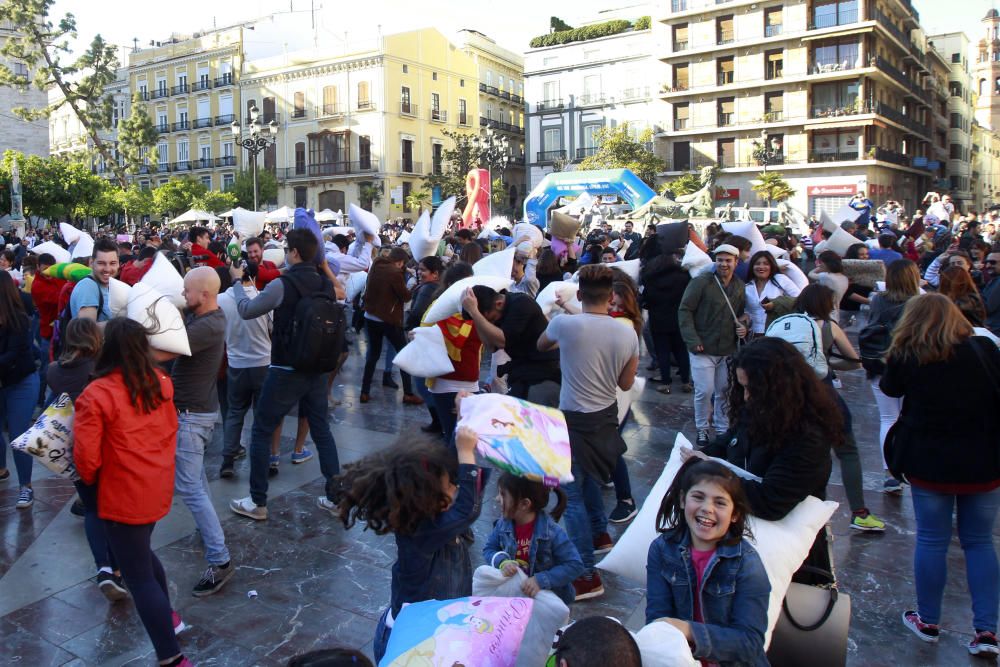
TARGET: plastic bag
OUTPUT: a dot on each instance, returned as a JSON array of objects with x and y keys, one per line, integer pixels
[{"x": 548, "y": 614}]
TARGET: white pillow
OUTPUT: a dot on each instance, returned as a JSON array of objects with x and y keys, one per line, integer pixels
[
  {"x": 937, "y": 212},
  {"x": 59, "y": 253},
  {"x": 625, "y": 398},
  {"x": 794, "y": 273},
  {"x": 365, "y": 222},
  {"x": 248, "y": 223},
  {"x": 844, "y": 214},
  {"x": 275, "y": 255},
  {"x": 84, "y": 246},
  {"x": 163, "y": 277},
  {"x": 404, "y": 237},
  {"x": 499, "y": 264},
  {"x": 117, "y": 297},
  {"x": 749, "y": 231},
  {"x": 840, "y": 241},
  {"x": 69, "y": 233},
  {"x": 356, "y": 284},
  {"x": 533, "y": 233},
  {"x": 695, "y": 261},
  {"x": 428, "y": 232},
  {"x": 426, "y": 356},
  {"x": 776, "y": 252},
  {"x": 152, "y": 309},
  {"x": 450, "y": 302},
  {"x": 782, "y": 545},
  {"x": 631, "y": 267},
  {"x": 663, "y": 645},
  {"x": 546, "y": 299}
]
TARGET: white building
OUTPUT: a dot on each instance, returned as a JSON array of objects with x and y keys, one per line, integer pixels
[
  {"x": 31, "y": 137},
  {"x": 573, "y": 90},
  {"x": 954, "y": 47}
]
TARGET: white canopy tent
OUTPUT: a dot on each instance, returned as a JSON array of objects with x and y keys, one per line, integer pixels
[
  {"x": 194, "y": 215},
  {"x": 283, "y": 214}
]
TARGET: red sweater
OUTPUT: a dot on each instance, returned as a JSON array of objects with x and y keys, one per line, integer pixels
[
  {"x": 132, "y": 273},
  {"x": 45, "y": 295},
  {"x": 130, "y": 455},
  {"x": 266, "y": 272},
  {"x": 204, "y": 255}
]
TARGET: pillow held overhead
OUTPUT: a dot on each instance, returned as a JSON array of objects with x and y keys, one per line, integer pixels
[
  {"x": 840, "y": 241},
  {"x": 365, "y": 222},
  {"x": 155, "y": 312},
  {"x": 749, "y": 231},
  {"x": 563, "y": 226},
  {"x": 69, "y": 233},
  {"x": 498, "y": 264},
  {"x": 59, "y": 253},
  {"x": 163, "y": 277},
  {"x": 533, "y": 233},
  {"x": 695, "y": 260}
]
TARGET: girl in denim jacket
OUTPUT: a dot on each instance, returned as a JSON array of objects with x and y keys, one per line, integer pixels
[
  {"x": 702, "y": 576},
  {"x": 528, "y": 538},
  {"x": 412, "y": 491}
]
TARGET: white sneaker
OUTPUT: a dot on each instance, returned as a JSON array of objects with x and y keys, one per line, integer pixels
[
  {"x": 246, "y": 507},
  {"x": 325, "y": 503}
]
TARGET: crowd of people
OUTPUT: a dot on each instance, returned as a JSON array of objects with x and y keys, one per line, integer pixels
[{"x": 731, "y": 330}]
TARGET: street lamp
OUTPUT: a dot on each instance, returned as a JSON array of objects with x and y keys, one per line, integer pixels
[
  {"x": 257, "y": 138},
  {"x": 494, "y": 150}
]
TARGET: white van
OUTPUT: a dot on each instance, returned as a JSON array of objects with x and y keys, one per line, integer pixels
[{"x": 759, "y": 215}]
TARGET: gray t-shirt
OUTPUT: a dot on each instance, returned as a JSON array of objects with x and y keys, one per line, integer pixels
[
  {"x": 195, "y": 376},
  {"x": 593, "y": 352}
]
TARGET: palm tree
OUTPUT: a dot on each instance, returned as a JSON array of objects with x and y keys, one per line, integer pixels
[
  {"x": 772, "y": 187},
  {"x": 418, "y": 200}
]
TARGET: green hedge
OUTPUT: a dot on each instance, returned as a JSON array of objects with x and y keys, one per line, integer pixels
[
  {"x": 643, "y": 23},
  {"x": 582, "y": 34}
]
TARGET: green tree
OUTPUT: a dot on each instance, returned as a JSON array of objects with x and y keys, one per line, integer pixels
[
  {"x": 684, "y": 184},
  {"x": 371, "y": 193},
  {"x": 616, "y": 149},
  {"x": 456, "y": 163},
  {"x": 556, "y": 24},
  {"x": 267, "y": 187},
  {"x": 136, "y": 133},
  {"x": 41, "y": 43},
  {"x": 418, "y": 200},
  {"x": 137, "y": 201},
  {"x": 771, "y": 187},
  {"x": 102, "y": 202},
  {"x": 177, "y": 195},
  {"x": 52, "y": 187},
  {"x": 214, "y": 201}
]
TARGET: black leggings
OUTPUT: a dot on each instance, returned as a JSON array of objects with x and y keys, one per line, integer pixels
[
  {"x": 147, "y": 583},
  {"x": 376, "y": 332},
  {"x": 671, "y": 344}
]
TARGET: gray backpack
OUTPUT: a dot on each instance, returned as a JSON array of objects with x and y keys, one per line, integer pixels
[{"x": 802, "y": 332}]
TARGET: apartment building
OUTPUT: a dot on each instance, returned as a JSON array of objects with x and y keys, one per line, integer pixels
[
  {"x": 29, "y": 137},
  {"x": 575, "y": 89},
  {"x": 985, "y": 167},
  {"x": 986, "y": 72},
  {"x": 955, "y": 49},
  {"x": 836, "y": 94},
  {"x": 189, "y": 85},
  {"x": 375, "y": 118},
  {"x": 67, "y": 135},
  {"x": 501, "y": 103}
]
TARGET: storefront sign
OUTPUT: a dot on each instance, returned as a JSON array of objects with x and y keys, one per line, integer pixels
[
  {"x": 830, "y": 190},
  {"x": 727, "y": 193}
]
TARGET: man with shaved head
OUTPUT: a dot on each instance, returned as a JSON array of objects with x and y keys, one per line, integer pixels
[{"x": 197, "y": 402}]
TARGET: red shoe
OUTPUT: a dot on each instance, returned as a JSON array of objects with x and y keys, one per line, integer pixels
[
  {"x": 365, "y": 398},
  {"x": 412, "y": 399},
  {"x": 603, "y": 544},
  {"x": 588, "y": 586},
  {"x": 179, "y": 625}
]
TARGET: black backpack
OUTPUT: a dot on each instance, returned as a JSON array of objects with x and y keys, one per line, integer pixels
[
  {"x": 59, "y": 326},
  {"x": 874, "y": 340},
  {"x": 315, "y": 337}
]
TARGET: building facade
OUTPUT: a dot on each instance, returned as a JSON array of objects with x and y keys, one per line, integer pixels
[
  {"x": 368, "y": 127},
  {"x": 574, "y": 90},
  {"x": 501, "y": 103},
  {"x": 954, "y": 47},
  {"x": 837, "y": 93},
  {"x": 190, "y": 87},
  {"x": 986, "y": 72},
  {"x": 30, "y": 137}
]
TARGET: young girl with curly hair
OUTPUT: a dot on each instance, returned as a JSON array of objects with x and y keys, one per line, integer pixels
[
  {"x": 413, "y": 492},
  {"x": 722, "y": 609}
]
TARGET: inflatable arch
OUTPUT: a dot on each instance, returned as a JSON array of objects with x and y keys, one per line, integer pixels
[{"x": 621, "y": 182}]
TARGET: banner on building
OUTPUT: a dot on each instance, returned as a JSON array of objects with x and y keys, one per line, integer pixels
[{"x": 831, "y": 190}]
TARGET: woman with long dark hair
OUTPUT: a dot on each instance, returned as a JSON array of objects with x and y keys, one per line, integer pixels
[
  {"x": 945, "y": 445},
  {"x": 18, "y": 384},
  {"x": 125, "y": 434},
  {"x": 765, "y": 283},
  {"x": 783, "y": 423}
]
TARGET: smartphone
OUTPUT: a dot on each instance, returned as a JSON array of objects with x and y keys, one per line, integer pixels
[{"x": 766, "y": 300}]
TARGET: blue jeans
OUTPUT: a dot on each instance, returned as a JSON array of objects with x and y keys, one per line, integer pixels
[
  {"x": 420, "y": 384},
  {"x": 284, "y": 389},
  {"x": 194, "y": 433},
  {"x": 93, "y": 526},
  {"x": 444, "y": 405},
  {"x": 976, "y": 514},
  {"x": 17, "y": 402},
  {"x": 710, "y": 374},
  {"x": 623, "y": 484},
  {"x": 43, "y": 357},
  {"x": 577, "y": 520},
  {"x": 243, "y": 387},
  {"x": 381, "y": 637},
  {"x": 594, "y": 501},
  {"x": 146, "y": 581}
]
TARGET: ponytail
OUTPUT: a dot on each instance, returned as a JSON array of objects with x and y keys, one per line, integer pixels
[{"x": 560, "y": 507}]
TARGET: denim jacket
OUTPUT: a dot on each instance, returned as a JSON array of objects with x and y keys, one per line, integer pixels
[
  {"x": 552, "y": 558},
  {"x": 734, "y": 598},
  {"x": 433, "y": 562}
]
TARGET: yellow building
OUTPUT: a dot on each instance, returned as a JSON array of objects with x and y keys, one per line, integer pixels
[
  {"x": 373, "y": 119},
  {"x": 190, "y": 88}
]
